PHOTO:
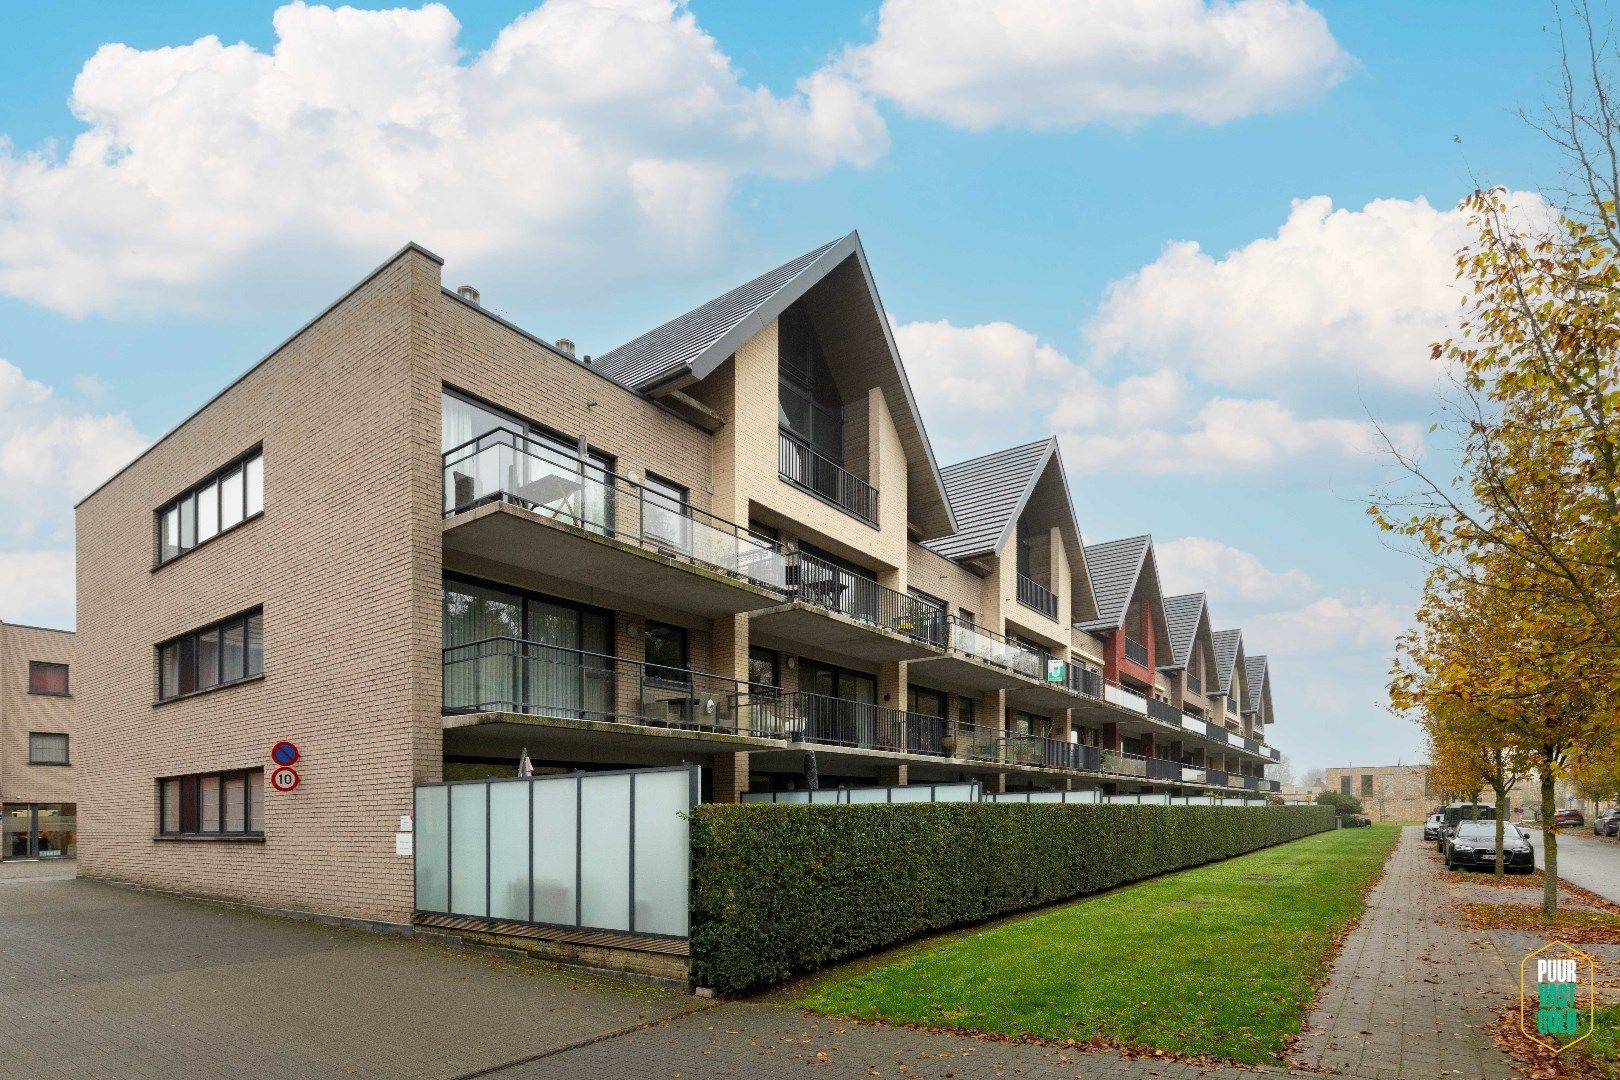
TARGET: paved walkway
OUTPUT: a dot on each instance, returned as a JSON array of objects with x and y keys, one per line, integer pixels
[
  {"x": 1412, "y": 990},
  {"x": 37, "y": 870},
  {"x": 1588, "y": 861}
]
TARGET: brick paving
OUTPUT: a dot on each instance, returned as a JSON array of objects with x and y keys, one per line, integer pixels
[
  {"x": 1413, "y": 989},
  {"x": 97, "y": 981}
]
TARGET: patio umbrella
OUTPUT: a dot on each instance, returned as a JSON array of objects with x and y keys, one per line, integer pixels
[{"x": 525, "y": 766}]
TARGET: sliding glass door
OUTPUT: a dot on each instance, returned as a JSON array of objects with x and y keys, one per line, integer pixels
[{"x": 507, "y": 651}]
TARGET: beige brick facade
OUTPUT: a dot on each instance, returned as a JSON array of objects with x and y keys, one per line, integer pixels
[
  {"x": 23, "y": 713},
  {"x": 349, "y": 561}
]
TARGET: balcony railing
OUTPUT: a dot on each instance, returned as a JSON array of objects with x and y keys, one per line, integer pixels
[
  {"x": 1129, "y": 699},
  {"x": 509, "y": 674},
  {"x": 1163, "y": 710},
  {"x": 1037, "y": 597},
  {"x": 1083, "y": 680},
  {"x": 503, "y": 466},
  {"x": 1136, "y": 652},
  {"x": 992, "y": 648},
  {"x": 819, "y": 582},
  {"x": 805, "y": 467}
]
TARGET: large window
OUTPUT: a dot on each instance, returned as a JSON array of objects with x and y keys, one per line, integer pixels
[
  {"x": 47, "y": 678},
  {"x": 47, "y": 748},
  {"x": 217, "y": 505},
  {"x": 666, "y": 652},
  {"x": 507, "y": 650},
  {"x": 219, "y": 655},
  {"x": 222, "y": 804}
]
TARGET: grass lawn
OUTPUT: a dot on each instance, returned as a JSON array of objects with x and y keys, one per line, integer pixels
[
  {"x": 1222, "y": 959},
  {"x": 1600, "y": 1055}
]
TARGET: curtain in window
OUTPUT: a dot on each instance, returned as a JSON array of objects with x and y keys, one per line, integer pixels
[{"x": 480, "y": 672}]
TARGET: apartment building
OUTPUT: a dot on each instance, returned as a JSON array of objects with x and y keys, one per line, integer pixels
[
  {"x": 38, "y": 801},
  {"x": 418, "y": 543}
]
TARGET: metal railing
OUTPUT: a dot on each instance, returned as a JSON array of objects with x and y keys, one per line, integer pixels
[
  {"x": 1164, "y": 711},
  {"x": 1037, "y": 597},
  {"x": 1163, "y": 769},
  {"x": 1083, "y": 680},
  {"x": 503, "y": 466},
  {"x": 1119, "y": 695},
  {"x": 816, "y": 581},
  {"x": 1136, "y": 652},
  {"x": 1216, "y": 777},
  {"x": 993, "y": 648},
  {"x": 803, "y": 466}
]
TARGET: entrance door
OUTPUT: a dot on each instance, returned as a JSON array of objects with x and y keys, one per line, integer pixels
[{"x": 17, "y": 833}]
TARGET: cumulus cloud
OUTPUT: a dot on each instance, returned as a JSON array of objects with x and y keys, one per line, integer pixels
[
  {"x": 1337, "y": 294},
  {"x": 1329, "y": 624},
  {"x": 1054, "y": 63},
  {"x": 201, "y": 164},
  {"x": 975, "y": 385},
  {"x": 1199, "y": 564},
  {"x": 52, "y": 452}
]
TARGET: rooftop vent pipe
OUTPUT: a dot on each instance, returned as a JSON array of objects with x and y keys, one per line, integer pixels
[
  {"x": 467, "y": 293},
  {"x": 564, "y": 345}
]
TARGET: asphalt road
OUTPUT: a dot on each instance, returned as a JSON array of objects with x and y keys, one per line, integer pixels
[{"x": 1584, "y": 859}]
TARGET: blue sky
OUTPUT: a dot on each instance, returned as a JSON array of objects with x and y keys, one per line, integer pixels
[{"x": 1029, "y": 187}]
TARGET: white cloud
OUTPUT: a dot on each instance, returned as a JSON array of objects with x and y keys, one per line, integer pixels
[
  {"x": 1055, "y": 63},
  {"x": 1199, "y": 564},
  {"x": 52, "y": 453},
  {"x": 981, "y": 386},
  {"x": 203, "y": 164},
  {"x": 1330, "y": 624},
  {"x": 1346, "y": 295},
  {"x": 37, "y": 587}
]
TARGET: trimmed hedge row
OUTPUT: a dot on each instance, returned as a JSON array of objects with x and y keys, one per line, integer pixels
[{"x": 780, "y": 890}]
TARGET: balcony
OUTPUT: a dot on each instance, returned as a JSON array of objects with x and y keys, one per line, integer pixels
[
  {"x": 1136, "y": 652},
  {"x": 514, "y": 501},
  {"x": 870, "y": 622},
  {"x": 977, "y": 660},
  {"x": 810, "y": 470},
  {"x": 1037, "y": 597}
]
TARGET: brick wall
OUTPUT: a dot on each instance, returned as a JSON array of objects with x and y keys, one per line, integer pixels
[{"x": 22, "y": 712}]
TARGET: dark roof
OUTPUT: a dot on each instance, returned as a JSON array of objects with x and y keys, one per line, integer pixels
[
  {"x": 676, "y": 346},
  {"x": 1182, "y": 614},
  {"x": 986, "y": 496},
  {"x": 1114, "y": 569},
  {"x": 1254, "y": 674},
  {"x": 1227, "y": 644}
]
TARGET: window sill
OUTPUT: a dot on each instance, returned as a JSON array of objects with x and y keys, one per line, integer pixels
[
  {"x": 232, "y": 531},
  {"x": 210, "y": 690},
  {"x": 51, "y": 764},
  {"x": 48, "y": 693},
  {"x": 198, "y": 838}
]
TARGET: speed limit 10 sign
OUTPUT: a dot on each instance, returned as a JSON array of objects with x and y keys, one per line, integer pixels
[{"x": 284, "y": 778}]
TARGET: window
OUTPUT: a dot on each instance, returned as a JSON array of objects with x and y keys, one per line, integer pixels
[
  {"x": 1366, "y": 784},
  {"x": 219, "y": 655},
  {"x": 47, "y": 678},
  {"x": 663, "y": 514},
  {"x": 666, "y": 652},
  {"x": 227, "y": 804},
  {"x": 47, "y": 748},
  {"x": 925, "y": 702},
  {"x": 1344, "y": 785},
  {"x": 217, "y": 505},
  {"x": 762, "y": 667}
]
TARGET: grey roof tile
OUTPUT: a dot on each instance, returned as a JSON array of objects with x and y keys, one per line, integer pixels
[
  {"x": 1114, "y": 568},
  {"x": 1254, "y": 675},
  {"x": 1181, "y": 614},
  {"x": 986, "y": 493},
  {"x": 1227, "y": 645}
]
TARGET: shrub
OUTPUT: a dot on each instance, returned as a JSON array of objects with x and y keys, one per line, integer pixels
[
  {"x": 1344, "y": 805},
  {"x": 780, "y": 890}
]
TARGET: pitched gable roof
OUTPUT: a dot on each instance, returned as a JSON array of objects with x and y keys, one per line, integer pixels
[
  {"x": 986, "y": 495},
  {"x": 724, "y": 323},
  {"x": 1257, "y": 674},
  {"x": 690, "y": 347},
  {"x": 1114, "y": 568},
  {"x": 1228, "y": 643},
  {"x": 1182, "y": 615}
]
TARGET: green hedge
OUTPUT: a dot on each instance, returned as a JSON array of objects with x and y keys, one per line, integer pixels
[{"x": 780, "y": 890}]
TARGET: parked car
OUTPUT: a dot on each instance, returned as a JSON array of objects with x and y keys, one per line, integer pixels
[
  {"x": 1568, "y": 816},
  {"x": 1458, "y": 812},
  {"x": 1600, "y": 823},
  {"x": 1431, "y": 827},
  {"x": 1472, "y": 846},
  {"x": 1611, "y": 827}
]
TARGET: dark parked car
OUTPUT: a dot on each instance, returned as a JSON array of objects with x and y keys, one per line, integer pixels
[
  {"x": 1431, "y": 827},
  {"x": 1568, "y": 816},
  {"x": 1472, "y": 846},
  {"x": 1452, "y": 815}
]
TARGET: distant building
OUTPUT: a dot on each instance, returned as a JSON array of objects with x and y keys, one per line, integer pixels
[
  {"x": 1387, "y": 792},
  {"x": 38, "y": 815}
]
